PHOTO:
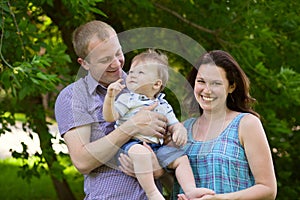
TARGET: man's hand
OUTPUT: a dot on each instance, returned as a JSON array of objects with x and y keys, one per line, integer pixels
[
  {"x": 127, "y": 165},
  {"x": 146, "y": 122}
]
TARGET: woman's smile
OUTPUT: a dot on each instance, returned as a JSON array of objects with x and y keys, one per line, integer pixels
[{"x": 205, "y": 98}]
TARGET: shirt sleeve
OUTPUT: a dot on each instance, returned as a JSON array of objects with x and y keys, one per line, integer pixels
[
  {"x": 122, "y": 104},
  {"x": 70, "y": 111},
  {"x": 166, "y": 109}
]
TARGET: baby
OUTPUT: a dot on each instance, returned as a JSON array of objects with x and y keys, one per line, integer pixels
[{"x": 147, "y": 77}]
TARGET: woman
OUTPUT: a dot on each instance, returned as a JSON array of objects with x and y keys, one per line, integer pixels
[{"x": 227, "y": 145}]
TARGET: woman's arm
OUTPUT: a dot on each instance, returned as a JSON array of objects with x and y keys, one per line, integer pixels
[
  {"x": 87, "y": 155},
  {"x": 253, "y": 138}
]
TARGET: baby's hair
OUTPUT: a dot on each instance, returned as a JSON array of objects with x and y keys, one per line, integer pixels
[{"x": 160, "y": 61}]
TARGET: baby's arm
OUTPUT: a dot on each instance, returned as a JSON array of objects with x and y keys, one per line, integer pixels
[
  {"x": 179, "y": 134},
  {"x": 109, "y": 112}
]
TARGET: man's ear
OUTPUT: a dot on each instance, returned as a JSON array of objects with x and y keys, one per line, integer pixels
[
  {"x": 232, "y": 88},
  {"x": 83, "y": 63},
  {"x": 157, "y": 85}
]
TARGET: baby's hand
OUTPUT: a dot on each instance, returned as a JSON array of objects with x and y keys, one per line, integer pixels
[
  {"x": 179, "y": 134},
  {"x": 115, "y": 88}
]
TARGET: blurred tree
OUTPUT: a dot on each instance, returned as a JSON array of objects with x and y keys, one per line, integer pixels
[
  {"x": 37, "y": 59},
  {"x": 35, "y": 36}
]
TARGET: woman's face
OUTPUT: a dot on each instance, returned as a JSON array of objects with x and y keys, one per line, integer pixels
[{"x": 211, "y": 87}]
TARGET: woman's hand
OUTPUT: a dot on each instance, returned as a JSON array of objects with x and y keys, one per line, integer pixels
[
  {"x": 205, "y": 197},
  {"x": 182, "y": 197}
]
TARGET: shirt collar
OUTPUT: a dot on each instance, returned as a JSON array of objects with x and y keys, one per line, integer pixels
[
  {"x": 160, "y": 96},
  {"x": 145, "y": 98},
  {"x": 92, "y": 84}
]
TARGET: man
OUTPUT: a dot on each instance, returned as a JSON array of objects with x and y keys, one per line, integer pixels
[{"x": 92, "y": 142}]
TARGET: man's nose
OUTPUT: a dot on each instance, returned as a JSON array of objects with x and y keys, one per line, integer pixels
[{"x": 115, "y": 62}]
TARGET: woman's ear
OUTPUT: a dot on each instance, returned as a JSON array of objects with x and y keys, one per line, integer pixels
[
  {"x": 232, "y": 88},
  {"x": 157, "y": 85},
  {"x": 83, "y": 63}
]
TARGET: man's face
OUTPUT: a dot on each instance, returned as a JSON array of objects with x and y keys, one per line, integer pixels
[{"x": 105, "y": 60}]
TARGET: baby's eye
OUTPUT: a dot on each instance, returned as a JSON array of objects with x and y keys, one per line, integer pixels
[{"x": 141, "y": 72}]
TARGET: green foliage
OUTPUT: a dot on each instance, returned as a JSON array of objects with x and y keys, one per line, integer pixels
[
  {"x": 28, "y": 78},
  {"x": 32, "y": 54}
]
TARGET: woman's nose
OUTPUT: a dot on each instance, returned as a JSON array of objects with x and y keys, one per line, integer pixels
[{"x": 207, "y": 88}]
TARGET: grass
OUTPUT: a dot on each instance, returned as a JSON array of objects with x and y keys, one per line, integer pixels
[{"x": 13, "y": 187}]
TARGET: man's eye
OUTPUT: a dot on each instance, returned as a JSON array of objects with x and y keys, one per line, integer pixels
[{"x": 104, "y": 60}]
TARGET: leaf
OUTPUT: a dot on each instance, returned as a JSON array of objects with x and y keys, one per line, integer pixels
[
  {"x": 97, "y": 11},
  {"x": 42, "y": 76}
]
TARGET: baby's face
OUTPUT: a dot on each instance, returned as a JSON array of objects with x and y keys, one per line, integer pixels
[{"x": 141, "y": 77}]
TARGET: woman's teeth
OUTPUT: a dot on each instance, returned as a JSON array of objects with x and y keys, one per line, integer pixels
[{"x": 207, "y": 98}]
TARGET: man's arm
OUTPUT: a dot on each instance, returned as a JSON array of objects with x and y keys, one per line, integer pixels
[{"x": 87, "y": 155}]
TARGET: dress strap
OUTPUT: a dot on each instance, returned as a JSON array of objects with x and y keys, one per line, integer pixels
[{"x": 188, "y": 124}]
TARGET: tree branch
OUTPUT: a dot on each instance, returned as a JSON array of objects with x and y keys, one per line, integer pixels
[{"x": 201, "y": 28}]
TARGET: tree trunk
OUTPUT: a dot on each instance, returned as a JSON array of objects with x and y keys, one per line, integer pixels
[
  {"x": 62, "y": 189},
  {"x": 39, "y": 125}
]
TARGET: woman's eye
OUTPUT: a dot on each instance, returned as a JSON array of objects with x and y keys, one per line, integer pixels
[
  {"x": 216, "y": 83},
  {"x": 200, "y": 81}
]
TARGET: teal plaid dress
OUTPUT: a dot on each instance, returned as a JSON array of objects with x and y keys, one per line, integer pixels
[{"x": 219, "y": 164}]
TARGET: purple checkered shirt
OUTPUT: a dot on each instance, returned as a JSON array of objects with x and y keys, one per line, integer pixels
[{"x": 79, "y": 104}]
